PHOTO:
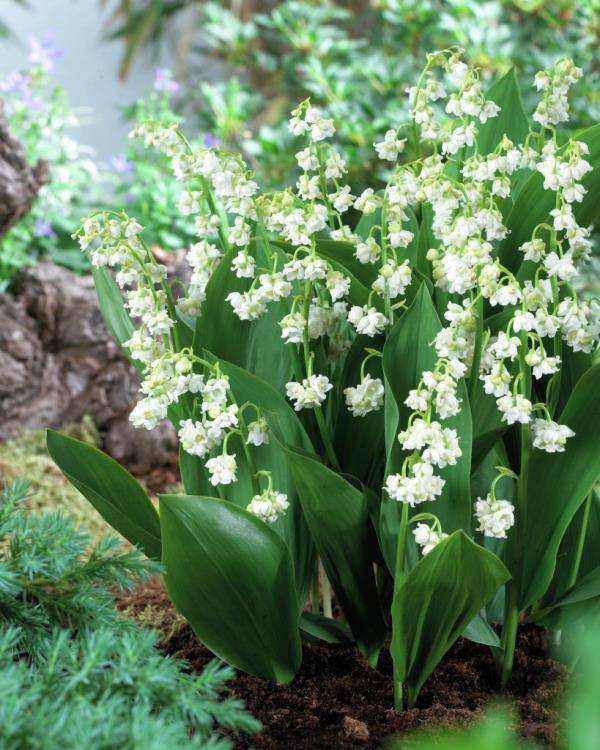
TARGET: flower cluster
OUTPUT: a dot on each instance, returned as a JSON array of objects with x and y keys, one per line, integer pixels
[{"x": 273, "y": 243}]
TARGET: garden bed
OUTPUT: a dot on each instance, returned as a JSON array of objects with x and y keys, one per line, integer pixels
[{"x": 337, "y": 701}]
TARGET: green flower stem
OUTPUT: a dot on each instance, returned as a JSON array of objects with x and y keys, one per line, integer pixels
[
  {"x": 511, "y": 610},
  {"x": 477, "y": 352},
  {"x": 399, "y": 577}
]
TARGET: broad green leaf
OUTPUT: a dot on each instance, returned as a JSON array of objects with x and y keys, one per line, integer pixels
[
  {"x": 579, "y": 602},
  {"x": 557, "y": 486},
  {"x": 288, "y": 429},
  {"x": 408, "y": 351},
  {"x": 317, "y": 628},
  {"x": 112, "y": 306},
  {"x": 338, "y": 518},
  {"x": 436, "y": 601},
  {"x": 361, "y": 458},
  {"x": 115, "y": 494},
  {"x": 588, "y": 514},
  {"x": 480, "y": 631},
  {"x": 253, "y": 345},
  {"x": 231, "y": 577},
  {"x": 511, "y": 120},
  {"x": 533, "y": 204}
]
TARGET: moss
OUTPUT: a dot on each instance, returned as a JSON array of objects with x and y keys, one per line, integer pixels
[{"x": 26, "y": 457}]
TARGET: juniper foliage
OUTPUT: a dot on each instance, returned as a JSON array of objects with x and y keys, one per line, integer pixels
[{"x": 73, "y": 673}]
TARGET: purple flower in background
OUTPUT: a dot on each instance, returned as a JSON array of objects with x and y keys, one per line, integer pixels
[
  {"x": 16, "y": 83},
  {"x": 211, "y": 140},
  {"x": 120, "y": 164},
  {"x": 164, "y": 81},
  {"x": 43, "y": 52},
  {"x": 43, "y": 228}
]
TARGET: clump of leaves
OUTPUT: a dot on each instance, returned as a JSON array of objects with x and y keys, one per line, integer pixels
[{"x": 73, "y": 673}]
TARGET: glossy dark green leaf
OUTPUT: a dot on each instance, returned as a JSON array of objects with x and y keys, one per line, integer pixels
[
  {"x": 360, "y": 458},
  {"x": 315, "y": 628},
  {"x": 338, "y": 518},
  {"x": 231, "y": 577},
  {"x": 287, "y": 428},
  {"x": 253, "y": 345},
  {"x": 436, "y": 601},
  {"x": 112, "y": 305},
  {"x": 115, "y": 494},
  {"x": 557, "y": 486},
  {"x": 511, "y": 120},
  {"x": 578, "y": 603},
  {"x": 480, "y": 631}
]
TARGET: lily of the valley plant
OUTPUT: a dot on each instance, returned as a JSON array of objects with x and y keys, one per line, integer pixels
[{"x": 393, "y": 391}]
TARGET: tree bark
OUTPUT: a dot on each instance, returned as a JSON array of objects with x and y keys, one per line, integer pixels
[{"x": 19, "y": 181}]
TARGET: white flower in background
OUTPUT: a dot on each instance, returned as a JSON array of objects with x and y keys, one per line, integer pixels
[
  {"x": 368, "y": 251},
  {"x": 495, "y": 517},
  {"x": 258, "y": 433},
  {"x": 342, "y": 199},
  {"x": 393, "y": 278},
  {"x": 239, "y": 234},
  {"x": 524, "y": 321},
  {"x": 390, "y": 146},
  {"x": 273, "y": 287},
  {"x": 292, "y": 328},
  {"x": 418, "y": 399},
  {"x": 243, "y": 265},
  {"x": 427, "y": 538},
  {"x": 541, "y": 364},
  {"x": 194, "y": 438},
  {"x": 337, "y": 284},
  {"x": 309, "y": 394},
  {"x": 307, "y": 160},
  {"x": 533, "y": 250},
  {"x": 149, "y": 412},
  {"x": 367, "y": 320},
  {"x": 335, "y": 166},
  {"x": 560, "y": 266},
  {"x": 367, "y": 202},
  {"x": 307, "y": 119},
  {"x": 268, "y": 506},
  {"x": 247, "y": 305},
  {"x": 515, "y": 408},
  {"x": 308, "y": 187},
  {"x": 550, "y": 436},
  {"x": 497, "y": 381},
  {"x": 505, "y": 346},
  {"x": 222, "y": 469},
  {"x": 366, "y": 397},
  {"x": 214, "y": 396}
]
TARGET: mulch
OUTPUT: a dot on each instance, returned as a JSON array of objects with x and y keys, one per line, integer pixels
[{"x": 337, "y": 702}]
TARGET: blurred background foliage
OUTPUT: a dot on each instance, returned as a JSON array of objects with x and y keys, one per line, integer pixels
[{"x": 353, "y": 58}]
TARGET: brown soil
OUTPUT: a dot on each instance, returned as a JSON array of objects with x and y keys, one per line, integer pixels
[{"x": 337, "y": 702}]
